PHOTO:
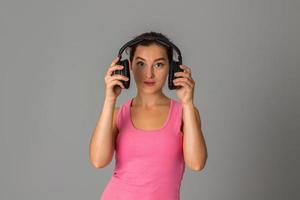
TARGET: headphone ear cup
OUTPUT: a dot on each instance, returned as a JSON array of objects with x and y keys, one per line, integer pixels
[
  {"x": 125, "y": 72},
  {"x": 174, "y": 67}
]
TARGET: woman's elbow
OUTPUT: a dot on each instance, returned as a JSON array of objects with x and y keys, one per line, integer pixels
[{"x": 200, "y": 166}]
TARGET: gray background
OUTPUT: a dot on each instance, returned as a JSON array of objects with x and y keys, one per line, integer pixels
[{"x": 245, "y": 58}]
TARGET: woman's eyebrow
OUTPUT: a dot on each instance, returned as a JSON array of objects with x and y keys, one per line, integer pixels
[{"x": 162, "y": 58}]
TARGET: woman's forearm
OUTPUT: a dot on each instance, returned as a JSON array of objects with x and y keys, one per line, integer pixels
[
  {"x": 101, "y": 148},
  {"x": 195, "y": 152}
]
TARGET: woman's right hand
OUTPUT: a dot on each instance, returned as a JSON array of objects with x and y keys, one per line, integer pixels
[{"x": 113, "y": 82}]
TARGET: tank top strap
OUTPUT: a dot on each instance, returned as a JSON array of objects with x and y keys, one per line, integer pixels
[
  {"x": 123, "y": 114},
  {"x": 176, "y": 115}
]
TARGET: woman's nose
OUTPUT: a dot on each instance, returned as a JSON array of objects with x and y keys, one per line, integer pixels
[{"x": 149, "y": 72}]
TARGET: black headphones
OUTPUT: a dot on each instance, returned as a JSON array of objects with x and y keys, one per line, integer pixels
[{"x": 174, "y": 65}]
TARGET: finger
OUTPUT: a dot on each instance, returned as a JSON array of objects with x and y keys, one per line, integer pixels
[
  {"x": 119, "y": 77},
  {"x": 189, "y": 79},
  {"x": 113, "y": 68},
  {"x": 182, "y": 74},
  {"x": 185, "y": 80},
  {"x": 182, "y": 83},
  {"x": 186, "y": 68},
  {"x": 115, "y": 60},
  {"x": 117, "y": 82}
]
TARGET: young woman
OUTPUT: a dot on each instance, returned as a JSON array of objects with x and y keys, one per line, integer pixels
[{"x": 154, "y": 136}]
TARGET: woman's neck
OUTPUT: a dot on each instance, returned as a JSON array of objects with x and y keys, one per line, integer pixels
[{"x": 150, "y": 100}]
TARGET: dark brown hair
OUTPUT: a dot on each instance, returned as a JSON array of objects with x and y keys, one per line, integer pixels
[{"x": 151, "y": 36}]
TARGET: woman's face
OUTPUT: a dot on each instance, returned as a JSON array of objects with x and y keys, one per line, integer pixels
[{"x": 150, "y": 64}]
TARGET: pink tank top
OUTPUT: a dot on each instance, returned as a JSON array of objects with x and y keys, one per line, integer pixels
[{"x": 149, "y": 163}]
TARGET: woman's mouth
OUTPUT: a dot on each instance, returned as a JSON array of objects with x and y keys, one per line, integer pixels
[{"x": 149, "y": 83}]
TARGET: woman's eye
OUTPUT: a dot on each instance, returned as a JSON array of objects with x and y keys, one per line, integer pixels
[
  {"x": 160, "y": 64},
  {"x": 140, "y": 63}
]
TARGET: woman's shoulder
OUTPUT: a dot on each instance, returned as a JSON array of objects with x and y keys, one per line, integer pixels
[
  {"x": 176, "y": 102},
  {"x": 122, "y": 104},
  {"x": 119, "y": 112}
]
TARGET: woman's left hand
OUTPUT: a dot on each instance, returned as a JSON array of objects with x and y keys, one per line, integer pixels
[{"x": 184, "y": 79}]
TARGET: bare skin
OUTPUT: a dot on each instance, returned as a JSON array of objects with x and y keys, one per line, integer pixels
[
  {"x": 102, "y": 143},
  {"x": 150, "y": 63}
]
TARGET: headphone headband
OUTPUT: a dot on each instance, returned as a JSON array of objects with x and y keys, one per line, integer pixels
[{"x": 159, "y": 40}]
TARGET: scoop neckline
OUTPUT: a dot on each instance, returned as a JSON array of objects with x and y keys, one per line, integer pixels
[{"x": 155, "y": 130}]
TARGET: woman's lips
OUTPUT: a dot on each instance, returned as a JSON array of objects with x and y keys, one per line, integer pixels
[{"x": 149, "y": 82}]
